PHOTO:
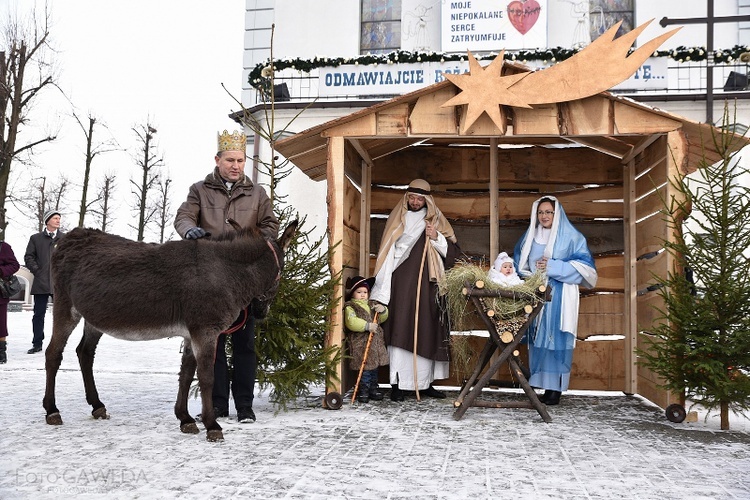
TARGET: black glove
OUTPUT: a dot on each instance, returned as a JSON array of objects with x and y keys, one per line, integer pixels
[{"x": 196, "y": 232}]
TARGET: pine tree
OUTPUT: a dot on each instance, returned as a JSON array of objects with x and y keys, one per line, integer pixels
[
  {"x": 702, "y": 345},
  {"x": 291, "y": 341}
]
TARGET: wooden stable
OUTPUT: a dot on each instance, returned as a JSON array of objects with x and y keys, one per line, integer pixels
[{"x": 608, "y": 160}]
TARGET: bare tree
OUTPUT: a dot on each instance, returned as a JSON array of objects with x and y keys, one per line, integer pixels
[
  {"x": 25, "y": 70},
  {"x": 92, "y": 150},
  {"x": 164, "y": 208},
  {"x": 45, "y": 197},
  {"x": 38, "y": 200},
  {"x": 101, "y": 208},
  {"x": 149, "y": 162}
]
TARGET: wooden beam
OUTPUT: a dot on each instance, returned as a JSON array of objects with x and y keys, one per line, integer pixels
[
  {"x": 651, "y": 203},
  {"x": 458, "y": 165},
  {"x": 361, "y": 150},
  {"x": 361, "y": 127},
  {"x": 606, "y": 145},
  {"x": 364, "y": 225},
  {"x": 511, "y": 206},
  {"x": 335, "y": 201},
  {"x": 642, "y": 145},
  {"x": 632, "y": 119},
  {"x": 630, "y": 326},
  {"x": 650, "y": 234},
  {"x": 651, "y": 156},
  {"x": 393, "y": 121},
  {"x": 540, "y": 120},
  {"x": 429, "y": 117},
  {"x": 494, "y": 207},
  {"x": 646, "y": 269},
  {"x": 586, "y": 116}
]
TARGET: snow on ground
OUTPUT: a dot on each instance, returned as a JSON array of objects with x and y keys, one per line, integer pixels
[{"x": 599, "y": 445}]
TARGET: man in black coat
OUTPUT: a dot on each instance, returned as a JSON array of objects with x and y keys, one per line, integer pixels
[{"x": 38, "y": 260}]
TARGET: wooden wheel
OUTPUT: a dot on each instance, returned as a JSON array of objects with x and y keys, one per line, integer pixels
[
  {"x": 675, "y": 413},
  {"x": 334, "y": 400}
]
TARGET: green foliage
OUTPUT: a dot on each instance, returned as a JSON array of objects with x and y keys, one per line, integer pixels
[
  {"x": 702, "y": 344},
  {"x": 259, "y": 78},
  {"x": 290, "y": 342}
]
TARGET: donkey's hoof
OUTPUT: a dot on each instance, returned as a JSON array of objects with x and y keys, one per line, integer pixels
[
  {"x": 100, "y": 413},
  {"x": 214, "y": 435},
  {"x": 54, "y": 419},
  {"x": 189, "y": 428}
]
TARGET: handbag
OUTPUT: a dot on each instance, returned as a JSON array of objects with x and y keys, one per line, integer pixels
[{"x": 9, "y": 286}]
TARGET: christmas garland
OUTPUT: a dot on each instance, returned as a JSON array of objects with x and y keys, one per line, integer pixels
[{"x": 259, "y": 75}]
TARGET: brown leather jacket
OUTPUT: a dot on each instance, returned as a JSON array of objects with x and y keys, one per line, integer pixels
[{"x": 210, "y": 204}]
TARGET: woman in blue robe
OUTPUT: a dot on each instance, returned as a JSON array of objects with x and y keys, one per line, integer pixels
[{"x": 553, "y": 245}]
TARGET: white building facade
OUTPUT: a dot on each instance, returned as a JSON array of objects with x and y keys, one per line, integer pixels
[{"x": 335, "y": 57}]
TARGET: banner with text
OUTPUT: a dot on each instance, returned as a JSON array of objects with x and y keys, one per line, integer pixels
[
  {"x": 493, "y": 25},
  {"x": 397, "y": 79}
]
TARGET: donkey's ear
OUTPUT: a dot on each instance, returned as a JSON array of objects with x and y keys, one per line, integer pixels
[{"x": 288, "y": 235}]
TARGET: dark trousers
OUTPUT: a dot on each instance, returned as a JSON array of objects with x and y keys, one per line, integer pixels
[
  {"x": 368, "y": 381},
  {"x": 245, "y": 365},
  {"x": 37, "y": 321},
  {"x": 3, "y": 321}
]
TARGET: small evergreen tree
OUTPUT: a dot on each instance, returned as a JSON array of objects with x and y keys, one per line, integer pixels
[
  {"x": 291, "y": 342},
  {"x": 702, "y": 345}
]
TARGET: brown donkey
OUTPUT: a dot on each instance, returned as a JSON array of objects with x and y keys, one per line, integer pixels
[{"x": 142, "y": 291}]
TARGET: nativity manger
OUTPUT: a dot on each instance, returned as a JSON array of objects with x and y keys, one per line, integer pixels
[{"x": 492, "y": 141}]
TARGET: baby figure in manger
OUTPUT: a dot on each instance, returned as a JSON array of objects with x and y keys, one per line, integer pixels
[{"x": 503, "y": 272}]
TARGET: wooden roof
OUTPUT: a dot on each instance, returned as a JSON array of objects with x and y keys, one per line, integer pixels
[{"x": 613, "y": 125}]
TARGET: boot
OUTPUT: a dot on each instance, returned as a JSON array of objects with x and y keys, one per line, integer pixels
[
  {"x": 544, "y": 397},
  {"x": 3, "y": 349},
  {"x": 396, "y": 393},
  {"x": 375, "y": 393},
  {"x": 433, "y": 393},
  {"x": 553, "y": 398},
  {"x": 363, "y": 393}
]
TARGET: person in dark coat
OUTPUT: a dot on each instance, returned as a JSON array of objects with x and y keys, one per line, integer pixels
[
  {"x": 418, "y": 241},
  {"x": 8, "y": 267},
  {"x": 228, "y": 194},
  {"x": 38, "y": 259}
]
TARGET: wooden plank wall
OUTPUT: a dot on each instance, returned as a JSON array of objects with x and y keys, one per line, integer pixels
[
  {"x": 654, "y": 167},
  {"x": 590, "y": 187}
]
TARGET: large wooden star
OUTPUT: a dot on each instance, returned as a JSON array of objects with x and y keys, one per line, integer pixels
[
  {"x": 603, "y": 64},
  {"x": 484, "y": 90}
]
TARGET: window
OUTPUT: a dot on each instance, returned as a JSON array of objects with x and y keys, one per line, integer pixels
[
  {"x": 381, "y": 26},
  {"x": 603, "y": 14}
]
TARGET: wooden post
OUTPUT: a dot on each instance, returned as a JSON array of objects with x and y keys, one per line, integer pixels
[
  {"x": 335, "y": 229},
  {"x": 630, "y": 319},
  {"x": 494, "y": 202},
  {"x": 364, "y": 221}
]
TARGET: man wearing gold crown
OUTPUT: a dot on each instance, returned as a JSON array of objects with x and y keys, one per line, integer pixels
[{"x": 228, "y": 194}]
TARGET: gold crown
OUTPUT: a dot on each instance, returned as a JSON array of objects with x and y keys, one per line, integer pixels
[{"x": 232, "y": 142}]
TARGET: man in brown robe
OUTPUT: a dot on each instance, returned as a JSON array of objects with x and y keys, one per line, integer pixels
[{"x": 418, "y": 245}]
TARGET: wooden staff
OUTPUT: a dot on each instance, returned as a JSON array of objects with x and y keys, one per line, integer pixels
[
  {"x": 364, "y": 359},
  {"x": 416, "y": 312}
]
